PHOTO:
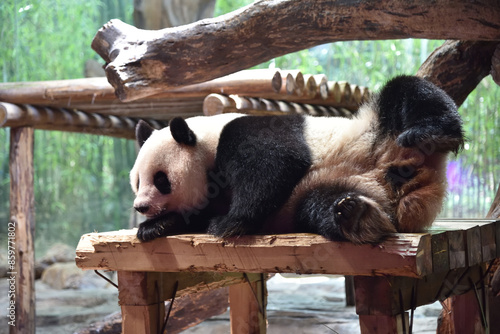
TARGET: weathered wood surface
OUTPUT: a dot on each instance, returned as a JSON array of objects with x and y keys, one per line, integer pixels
[
  {"x": 60, "y": 119},
  {"x": 403, "y": 254},
  {"x": 458, "y": 66},
  {"x": 21, "y": 227},
  {"x": 143, "y": 62}
]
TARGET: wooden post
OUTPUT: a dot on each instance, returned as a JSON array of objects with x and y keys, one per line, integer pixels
[
  {"x": 247, "y": 305},
  {"x": 143, "y": 308},
  {"x": 21, "y": 232},
  {"x": 463, "y": 315}
]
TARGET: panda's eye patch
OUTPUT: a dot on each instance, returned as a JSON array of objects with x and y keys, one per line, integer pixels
[{"x": 162, "y": 183}]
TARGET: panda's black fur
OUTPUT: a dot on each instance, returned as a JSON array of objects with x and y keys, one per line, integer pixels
[{"x": 382, "y": 172}]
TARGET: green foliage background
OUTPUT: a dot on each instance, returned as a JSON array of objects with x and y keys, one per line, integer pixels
[{"x": 81, "y": 181}]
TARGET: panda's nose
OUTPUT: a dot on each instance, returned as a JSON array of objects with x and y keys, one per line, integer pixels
[{"x": 142, "y": 208}]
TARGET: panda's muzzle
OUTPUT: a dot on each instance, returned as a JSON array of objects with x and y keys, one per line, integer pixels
[{"x": 142, "y": 209}]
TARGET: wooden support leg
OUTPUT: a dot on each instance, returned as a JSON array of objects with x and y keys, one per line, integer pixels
[
  {"x": 140, "y": 296},
  {"x": 378, "y": 307},
  {"x": 462, "y": 314},
  {"x": 142, "y": 319},
  {"x": 21, "y": 230},
  {"x": 247, "y": 302}
]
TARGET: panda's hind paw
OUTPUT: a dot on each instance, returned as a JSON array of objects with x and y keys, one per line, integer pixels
[
  {"x": 348, "y": 209},
  {"x": 431, "y": 139}
]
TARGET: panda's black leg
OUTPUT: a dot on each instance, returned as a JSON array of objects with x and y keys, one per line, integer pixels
[
  {"x": 326, "y": 211},
  {"x": 420, "y": 115},
  {"x": 341, "y": 214}
]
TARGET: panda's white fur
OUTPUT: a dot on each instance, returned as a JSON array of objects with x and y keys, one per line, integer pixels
[
  {"x": 356, "y": 179},
  {"x": 186, "y": 165}
]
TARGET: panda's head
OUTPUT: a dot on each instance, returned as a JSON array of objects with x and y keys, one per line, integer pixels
[{"x": 169, "y": 174}]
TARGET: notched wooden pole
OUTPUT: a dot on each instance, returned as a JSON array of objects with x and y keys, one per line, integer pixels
[{"x": 142, "y": 63}]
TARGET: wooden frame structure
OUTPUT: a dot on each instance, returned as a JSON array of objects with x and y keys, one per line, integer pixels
[
  {"x": 398, "y": 275},
  {"x": 89, "y": 105}
]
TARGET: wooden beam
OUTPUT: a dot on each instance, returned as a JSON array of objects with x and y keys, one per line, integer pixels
[
  {"x": 143, "y": 62},
  {"x": 21, "y": 229}
]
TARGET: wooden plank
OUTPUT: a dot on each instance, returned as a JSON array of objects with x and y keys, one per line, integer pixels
[
  {"x": 247, "y": 305},
  {"x": 21, "y": 229},
  {"x": 402, "y": 254}
]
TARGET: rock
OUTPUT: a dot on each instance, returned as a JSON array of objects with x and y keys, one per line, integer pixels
[
  {"x": 62, "y": 276},
  {"x": 59, "y": 253},
  {"x": 69, "y": 276}
]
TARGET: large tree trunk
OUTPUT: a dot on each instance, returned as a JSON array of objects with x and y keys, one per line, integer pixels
[{"x": 141, "y": 62}]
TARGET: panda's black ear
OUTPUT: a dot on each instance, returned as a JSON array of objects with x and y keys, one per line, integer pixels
[
  {"x": 181, "y": 132},
  {"x": 142, "y": 132}
]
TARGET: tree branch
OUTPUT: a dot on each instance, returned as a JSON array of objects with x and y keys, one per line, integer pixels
[
  {"x": 142, "y": 62},
  {"x": 458, "y": 67}
]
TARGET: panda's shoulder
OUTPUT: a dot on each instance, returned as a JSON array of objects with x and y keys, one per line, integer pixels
[{"x": 270, "y": 126}]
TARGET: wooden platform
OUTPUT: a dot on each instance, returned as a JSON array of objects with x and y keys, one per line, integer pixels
[{"x": 397, "y": 275}]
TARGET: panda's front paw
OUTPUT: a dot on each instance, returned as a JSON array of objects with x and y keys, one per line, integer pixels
[
  {"x": 162, "y": 226},
  {"x": 149, "y": 230},
  {"x": 348, "y": 209}
]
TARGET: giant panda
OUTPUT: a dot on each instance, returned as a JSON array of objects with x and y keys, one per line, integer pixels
[{"x": 353, "y": 179}]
